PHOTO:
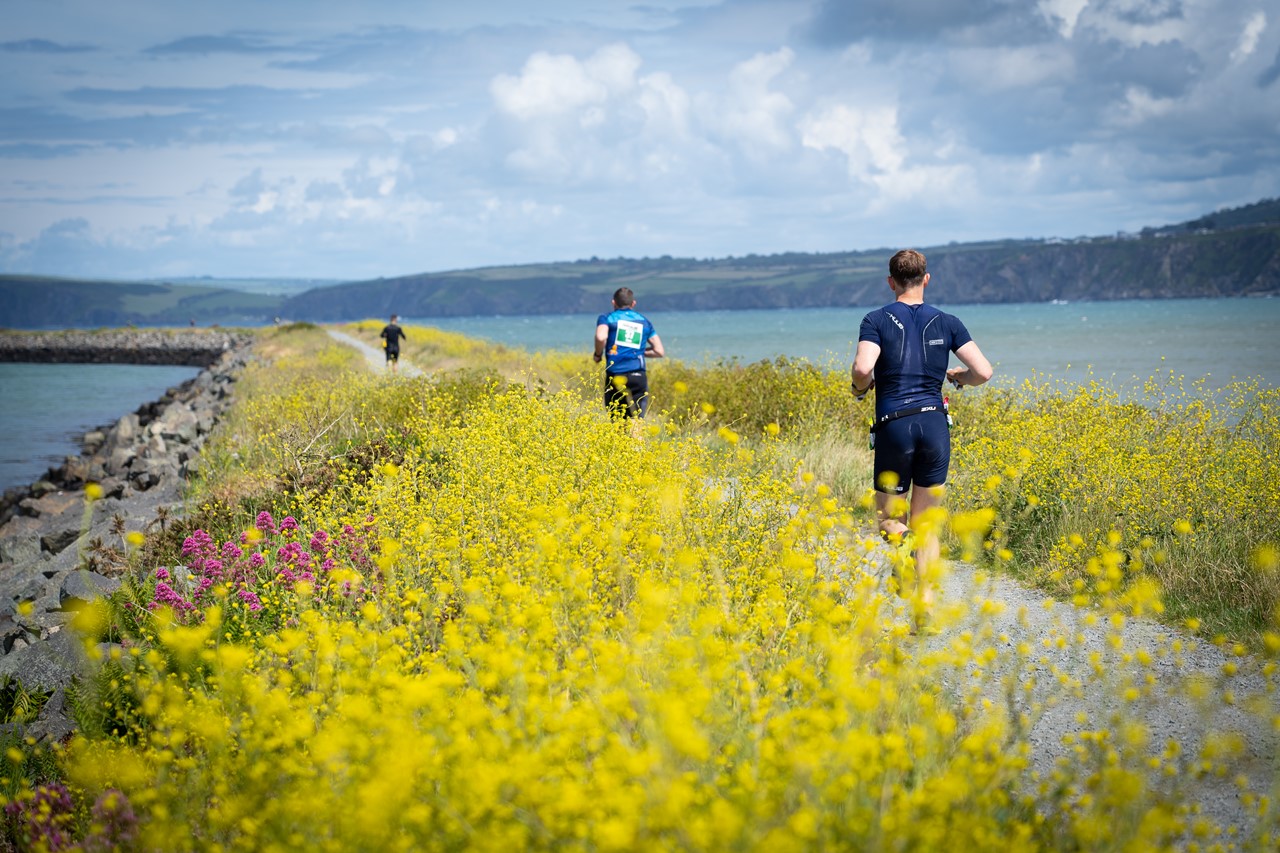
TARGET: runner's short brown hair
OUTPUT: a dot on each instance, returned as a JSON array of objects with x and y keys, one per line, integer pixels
[
  {"x": 907, "y": 267},
  {"x": 623, "y": 297}
]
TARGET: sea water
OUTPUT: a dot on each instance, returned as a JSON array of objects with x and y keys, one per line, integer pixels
[
  {"x": 1117, "y": 343},
  {"x": 44, "y": 408},
  {"x": 47, "y": 408}
]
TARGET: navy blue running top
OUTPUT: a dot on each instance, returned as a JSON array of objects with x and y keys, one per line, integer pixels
[{"x": 916, "y": 342}]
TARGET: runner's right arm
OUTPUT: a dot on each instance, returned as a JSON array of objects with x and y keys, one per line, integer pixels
[
  {"x": 602, "y": 338},
  {"x": 864, "y": 367}
]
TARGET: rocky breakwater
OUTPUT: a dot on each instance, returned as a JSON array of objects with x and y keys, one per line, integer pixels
[
  {"x": 190, "y": 347},
  {"x": 53, "y": 534}
]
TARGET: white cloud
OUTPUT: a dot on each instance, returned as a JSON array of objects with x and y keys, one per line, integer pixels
[
  {"x": 666, "y": 105},
  {"x": 615, "y": 67},
  {"x": 943, "y": 186},
  {"x": 1139, "y": 106},
  {"x": 1003, "y": 69},
  {"x": 542, "y": 157},
  {"x": 1137, "y": 22},
  {"x": 870, "y": 140},
  {"x": 1064, "y": 13},
  {"x": 519, "y": 213},
  {"x": 364, "y": 144},
  {"x": 752, "y": 116},
  {"x": 553, "y": 85},
  {"x": 1253, "y": 30}
]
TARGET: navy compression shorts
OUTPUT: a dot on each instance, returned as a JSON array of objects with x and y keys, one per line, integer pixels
[{"x": 917, "y": 448}]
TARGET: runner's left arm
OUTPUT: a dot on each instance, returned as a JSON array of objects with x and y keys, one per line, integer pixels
[{"x": 976, "y": 370}]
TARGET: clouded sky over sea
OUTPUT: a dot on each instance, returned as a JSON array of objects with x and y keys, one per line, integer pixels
[{"x": 326, "y": 139}]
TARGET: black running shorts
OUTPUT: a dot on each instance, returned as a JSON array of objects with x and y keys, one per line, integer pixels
[
  {"x": 626, "y": 395},
  {"x": 917, "y": 448}
]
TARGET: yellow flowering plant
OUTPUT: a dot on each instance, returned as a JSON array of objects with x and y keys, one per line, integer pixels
[{"x": 469, "y": 611}]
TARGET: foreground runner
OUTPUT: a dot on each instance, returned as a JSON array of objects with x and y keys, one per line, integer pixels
[{"x": 903, "y": 349}]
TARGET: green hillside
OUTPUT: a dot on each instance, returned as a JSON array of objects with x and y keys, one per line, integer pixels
[
  {"x": 32, "y": 302},
  {"x": 1232, "y": 252}
]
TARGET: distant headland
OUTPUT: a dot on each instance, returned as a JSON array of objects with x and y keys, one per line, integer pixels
[{"x": 1230, "y": 253}]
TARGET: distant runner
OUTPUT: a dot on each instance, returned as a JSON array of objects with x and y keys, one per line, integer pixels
[
  {"x": 624, "y": 338},
  {"x": 391, "y": 336},
  {"x": 903, "y": 349}
]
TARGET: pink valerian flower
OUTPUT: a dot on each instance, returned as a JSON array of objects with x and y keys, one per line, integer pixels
[
  {"x": 289, "y": 555},
  {"x": 43, "y": 821},
  {"x": 199, "y": 544},
  {"x": 356, "y": 547},
  {"x": 294, "y": 554},
  {"x": 167, "y": 596},
  {"x": 115, "y": 826}
]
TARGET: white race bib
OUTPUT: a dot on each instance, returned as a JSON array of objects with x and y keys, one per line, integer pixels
[{"x": 630, "y": 334}]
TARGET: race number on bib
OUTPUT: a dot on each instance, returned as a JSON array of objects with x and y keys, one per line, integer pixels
[{"x": 630, "y": 334}]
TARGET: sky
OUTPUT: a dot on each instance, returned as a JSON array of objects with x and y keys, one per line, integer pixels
[{"x": 332, "y": 140}]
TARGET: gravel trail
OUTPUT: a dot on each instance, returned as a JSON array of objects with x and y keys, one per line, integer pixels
[
  {"x": 1075, "y": 666},
  {"x": 375, "y": 357}
]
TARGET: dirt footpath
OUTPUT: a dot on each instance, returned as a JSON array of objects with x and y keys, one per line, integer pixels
[
  {"x": 374, "y": 356},
  {"x": 1075, "y": 667}
]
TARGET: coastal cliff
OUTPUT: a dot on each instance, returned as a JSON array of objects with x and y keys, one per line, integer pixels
[
  {"x": 1227, "y": 254},
  {"x": 1238, "y": 262}
]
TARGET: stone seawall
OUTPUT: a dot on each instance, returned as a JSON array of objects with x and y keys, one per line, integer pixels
[
  {"x": 187, "y": 347},
  {"x": 52, "y": 536}
]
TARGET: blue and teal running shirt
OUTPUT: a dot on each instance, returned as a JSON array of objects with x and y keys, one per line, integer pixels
[
  {"x": 629, "y": 333},
  {"x": 916, "y": 342}
]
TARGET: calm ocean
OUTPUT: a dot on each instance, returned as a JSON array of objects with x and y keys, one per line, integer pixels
[
  {"x": 1112, "y": 342},
  {"x": 46, "y": 407}
]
